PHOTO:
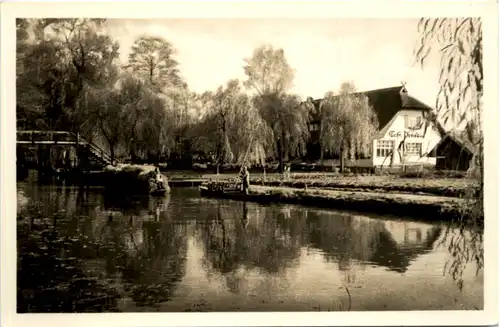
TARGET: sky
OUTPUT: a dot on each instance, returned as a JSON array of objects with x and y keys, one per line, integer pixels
[{"x": 372, "y": 53}]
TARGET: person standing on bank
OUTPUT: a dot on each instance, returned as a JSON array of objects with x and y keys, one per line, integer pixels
[{"x": 245, "y": 179}]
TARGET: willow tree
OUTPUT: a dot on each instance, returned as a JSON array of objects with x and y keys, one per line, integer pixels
[
  {"x": 224, "y": 100},
  {"x": 88, "y": 57},
  {"x": 459, "y": 43},
  {"x": 249, "y": 135},
  {"x": 203, "y": 133},
  {"x": 106, "y": 111},
  {"x": 152, "y": 60},
  {"x": 237, "y": 129},
  {"x": 287, "y": 124},
  {"x": 156, "y": 133},
  {"x": 271, "y": 77},
  {"x": 59, "y": 62},
  {"x": 348, "y": 124},
  {"x": 135, "y": 95}
]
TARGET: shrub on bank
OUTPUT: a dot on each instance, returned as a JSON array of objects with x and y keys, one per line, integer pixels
[{"x": 139, "y": 179}]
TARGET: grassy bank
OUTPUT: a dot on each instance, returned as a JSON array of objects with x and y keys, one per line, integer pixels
[
  {"x": 407, "y": 205},
  {"x": 435, "y": 185},
  {"x": 450, "y": 187}
]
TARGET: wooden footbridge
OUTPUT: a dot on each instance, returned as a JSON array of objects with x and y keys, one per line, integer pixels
[{"x": 64, "y": 138}]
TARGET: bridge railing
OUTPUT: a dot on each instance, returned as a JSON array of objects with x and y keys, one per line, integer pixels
[
  {"x": 47, "y": 137},
  {"x": 60, "y": 137},
  {"x": 98, "y": 151}
]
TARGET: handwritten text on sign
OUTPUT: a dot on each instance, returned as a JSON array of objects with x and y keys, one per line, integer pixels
[{"x": 406, "y": 134}]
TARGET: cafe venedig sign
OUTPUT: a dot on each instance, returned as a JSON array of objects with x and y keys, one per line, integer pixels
[{"x": 406, "y": 134}]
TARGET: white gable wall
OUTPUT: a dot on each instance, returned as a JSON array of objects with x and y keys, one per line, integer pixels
[{"x": 418, "y": 142}]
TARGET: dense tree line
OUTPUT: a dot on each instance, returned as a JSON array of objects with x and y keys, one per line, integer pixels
[{"x": 69, "y": 77}]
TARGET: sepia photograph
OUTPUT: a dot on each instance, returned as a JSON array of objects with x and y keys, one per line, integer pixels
[{"x": 249, "y": 164}]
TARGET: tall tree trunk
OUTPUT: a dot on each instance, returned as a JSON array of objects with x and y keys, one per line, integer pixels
[
  {"x": 112, "y": 152},
  {"x": 286, "y": 149},
  {"x": 342, "y": 159},
  {"x": 133, "y": 155},
  {"x": 281, "y": 156},
  {"x": 481, "y": 171},
  {"x": 132, "y": 150},
  {"x": 222, "y": 142},
  {"x": 321, "y": 156}
]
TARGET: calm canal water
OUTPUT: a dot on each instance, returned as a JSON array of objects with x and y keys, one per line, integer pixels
[{"x": 88, "y": 251}]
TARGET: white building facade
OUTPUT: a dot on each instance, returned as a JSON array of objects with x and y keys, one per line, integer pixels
[
  {"x": 406, "y": 140},
  {"x": 405, "y": 137}
]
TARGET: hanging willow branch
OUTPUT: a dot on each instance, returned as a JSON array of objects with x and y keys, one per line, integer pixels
[{"x": 459, "y": 43}]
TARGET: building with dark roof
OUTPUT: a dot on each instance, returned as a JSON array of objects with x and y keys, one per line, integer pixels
[
  {"x": 404, "y": 137},
  {"x": 453, "y": 152}
]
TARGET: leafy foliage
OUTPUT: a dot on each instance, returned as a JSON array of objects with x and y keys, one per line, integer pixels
[
  {"x": 348, "y": 123},
  {"x": 233, "y": 127},
  {"x": 152, "y": 60},
  {"x": 55, "y": 67},
  {"x": 268, "y": 71},
  {"x": 288, "y": 122},
  {"x": 270, "y": 75},
  {"x": 459, "y": 42}
]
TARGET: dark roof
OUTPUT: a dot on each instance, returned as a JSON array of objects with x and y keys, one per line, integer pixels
[
  {"x": 387, "y": 102},
  {"x": 457, "y": 138}
]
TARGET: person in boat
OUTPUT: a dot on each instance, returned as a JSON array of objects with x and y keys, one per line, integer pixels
[
  {"x": 159, "y": 179},
  {"x": 245, "y": 179}
]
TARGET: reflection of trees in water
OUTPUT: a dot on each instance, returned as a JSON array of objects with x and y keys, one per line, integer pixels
[
  {"x": 143, "y": 248},
  {"x": 129, "y": 205},
  {"x": 154, "y": 271},
  {"x": 338, "y": 238},
  {"x": 372, "y": 240},
  {"x": 148, "y": 250},
  {"x": 52, "y": 199},
  {"x": 239, "y": 238},
  {"x": 270, "y": 238},
  {"x": 343, "y": 238},
  {"x": 68, "y": 264}
]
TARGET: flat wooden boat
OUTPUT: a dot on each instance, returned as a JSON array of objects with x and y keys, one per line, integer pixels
[{"x": 206, "y": 190}]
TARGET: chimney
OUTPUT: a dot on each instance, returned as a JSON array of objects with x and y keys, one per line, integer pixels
[{"x": 403, "y": 93}]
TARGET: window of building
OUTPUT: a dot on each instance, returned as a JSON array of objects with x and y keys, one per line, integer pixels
[
  {"x": 413, "y": 149},
  {"x": 384, "y": 147},
  {"x": 314, "y": 127},
  {"x": 412, "y": 122}
]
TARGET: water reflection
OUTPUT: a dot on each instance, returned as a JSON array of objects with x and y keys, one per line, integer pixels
[
  {"x": 82, "y": 250},
  {"x": 246, "y": 242},
  {"x": 274, "y": 243},
  {"x": 131, "y": 244}
]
